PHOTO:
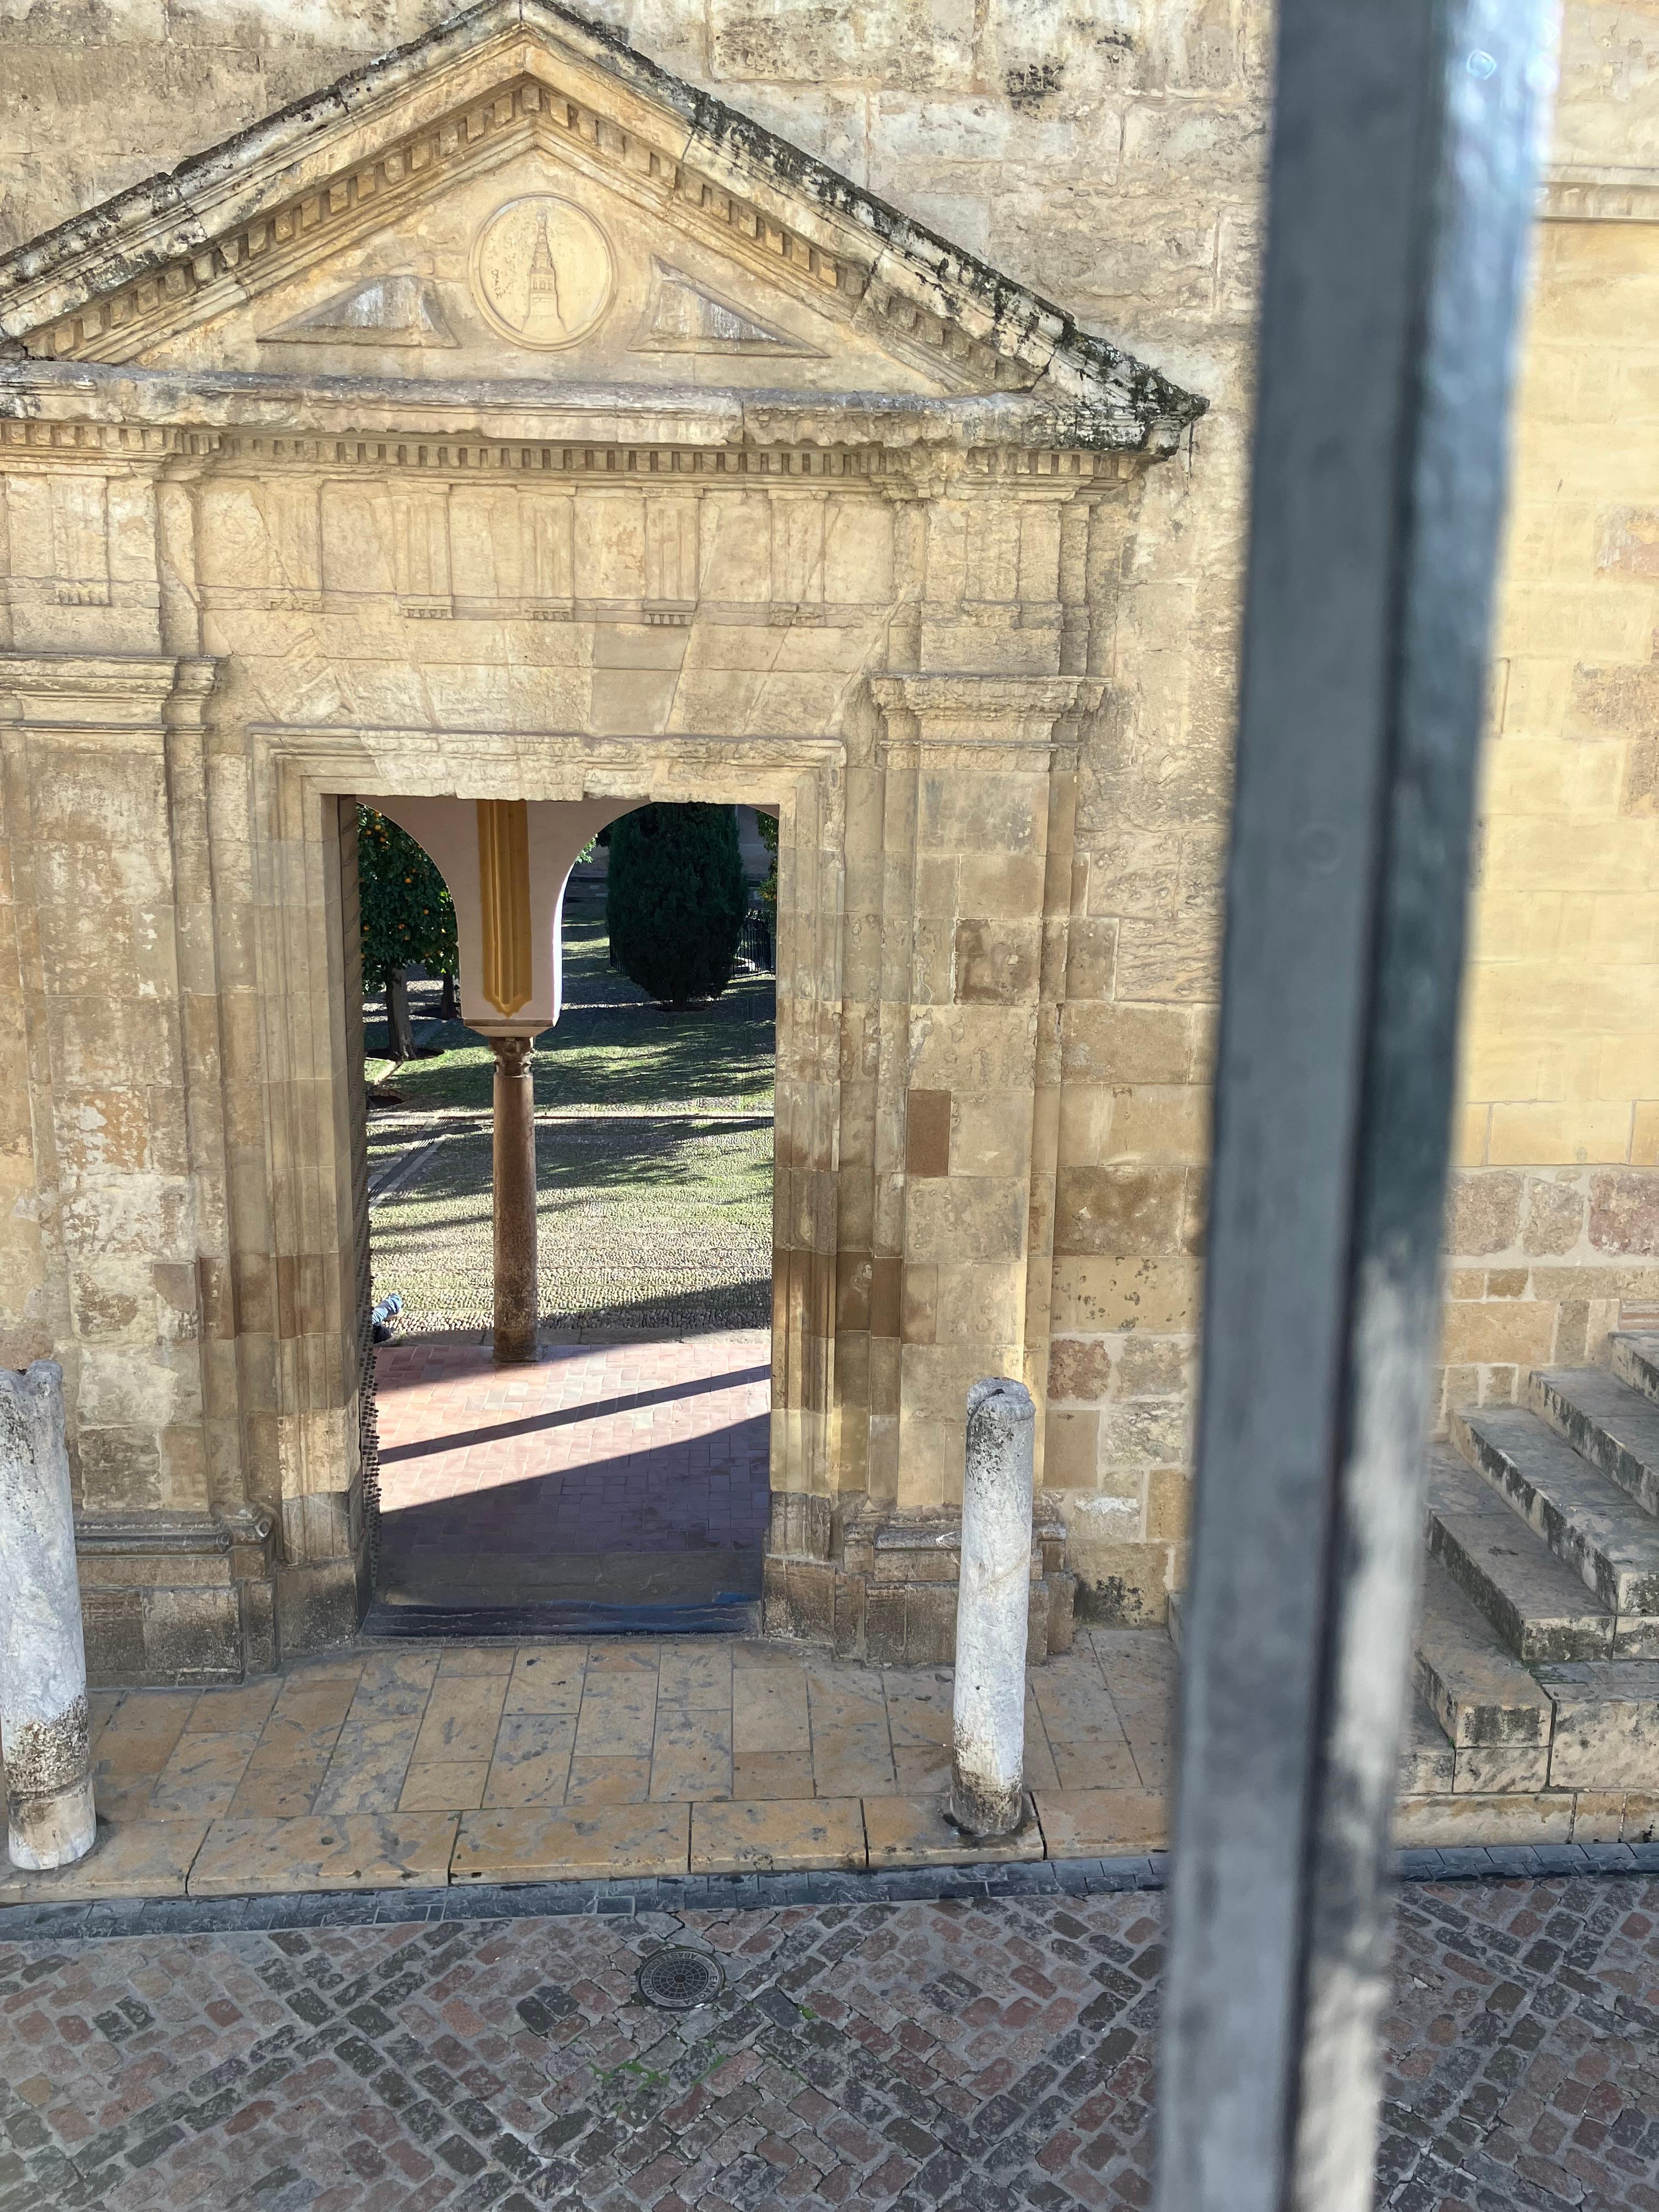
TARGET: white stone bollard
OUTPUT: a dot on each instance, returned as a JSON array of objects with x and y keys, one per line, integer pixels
[
  {"x": 993, "y": 1599},
  {"x": 44, "y": 1735}
]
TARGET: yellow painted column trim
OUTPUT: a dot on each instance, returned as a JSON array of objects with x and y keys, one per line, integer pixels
[{"x": 504, "y": 897}]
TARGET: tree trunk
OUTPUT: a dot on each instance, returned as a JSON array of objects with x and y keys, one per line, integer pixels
[
  {"x": 449, "y": 1004},
  {"x": 400, "y": 1033}
]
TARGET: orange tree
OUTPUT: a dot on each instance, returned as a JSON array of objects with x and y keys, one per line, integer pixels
[{"x": 408, "y": 919}]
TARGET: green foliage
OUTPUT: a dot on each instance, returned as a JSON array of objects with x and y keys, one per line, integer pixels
[
  {"x": 675, "y": 900},
  {"x": 409, "y": 917},
  {"x": 768, "y": 826}
]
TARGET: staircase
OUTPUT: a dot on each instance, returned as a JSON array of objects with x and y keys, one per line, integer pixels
[{"x": 1537, "y": 1653}]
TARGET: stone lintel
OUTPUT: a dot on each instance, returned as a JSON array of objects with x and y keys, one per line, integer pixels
[{"x": 993, "y": 723}]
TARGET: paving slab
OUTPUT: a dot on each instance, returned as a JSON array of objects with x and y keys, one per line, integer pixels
[
  {"x": 353, "y": 1850},
  {"x": 916, "y": 1831},
  {"x": 775, "y": 1834},
  {"x": 580, "y": 1843},
  {"x": 1102, "y": 1823},
  {"x": 140, "y": 1858}
]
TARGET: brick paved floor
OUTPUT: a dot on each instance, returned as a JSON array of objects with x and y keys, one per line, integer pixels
[
  {"x": 623, "y": 1472},
  {"x": 961, "y": 2057}
]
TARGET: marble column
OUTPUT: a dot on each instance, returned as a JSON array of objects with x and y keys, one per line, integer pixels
[
  {"x": 44, "y": 1732},
  {"x": 516, "y": 1295},
  {"x": 988, "y": 1788}
]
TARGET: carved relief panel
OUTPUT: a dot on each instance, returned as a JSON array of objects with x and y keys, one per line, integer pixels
[{"x": 549, "y": 266}]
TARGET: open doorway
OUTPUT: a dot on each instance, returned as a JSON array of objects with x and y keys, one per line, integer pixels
[{"x": 620, "y": 1482}]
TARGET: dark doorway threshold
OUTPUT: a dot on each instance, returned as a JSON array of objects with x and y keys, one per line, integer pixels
[{"x": 729, "y": 1613}]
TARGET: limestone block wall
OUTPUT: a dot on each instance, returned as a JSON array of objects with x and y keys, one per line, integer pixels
[
  {"x": 1113, "y": 160},
  {"x": 1554, "y": 1229}
]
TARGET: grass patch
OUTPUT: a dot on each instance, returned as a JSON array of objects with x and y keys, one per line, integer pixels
[
  {"x": 653, "y": 1164},
  {"x": 612, "y": 1047}
]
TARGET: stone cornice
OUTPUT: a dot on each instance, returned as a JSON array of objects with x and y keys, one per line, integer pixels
[
  {"x": 181, "y": 248},
  {"x": 1586, "y": 193},
  {"x": 406, "y": 421},
  {"x": 101, "y": 693},
  {"x": 1008, "y": 722}
]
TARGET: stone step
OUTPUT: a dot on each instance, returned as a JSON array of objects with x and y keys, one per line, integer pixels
[
  {"x": 1427, "y": 1760},
  {"x": 1480, "y": 1694},
  {"x": 1606, "y": 1422},
  {"x": 1587, "y": 1520},
  {"x": 1635, "y": 1361},
  {"x": 1605, "y": 1733},
  {"x": 1538, "y": 1604}
]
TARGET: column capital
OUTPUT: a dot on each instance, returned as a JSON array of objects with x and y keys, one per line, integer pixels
[
  {"x": 102, "y": 695},
  {"x": 513, "y": 1051}
]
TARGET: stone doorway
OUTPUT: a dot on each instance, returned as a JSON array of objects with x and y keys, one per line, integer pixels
[
  {"x": 620, "y": 1484},
  {"x": 808, "y": 503}
]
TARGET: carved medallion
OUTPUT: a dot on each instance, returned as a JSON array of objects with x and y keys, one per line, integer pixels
[{"x": 542, "y": 272}]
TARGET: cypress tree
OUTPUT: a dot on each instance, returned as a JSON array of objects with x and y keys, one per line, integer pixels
[{"x": 675, "y": 900}]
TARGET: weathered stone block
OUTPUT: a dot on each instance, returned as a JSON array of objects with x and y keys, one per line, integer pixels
[
  {"x": 1606, "y": 1724},
  {"x": 1123, "y": 1585},
  {"x": 1079, "y": 1368},
  {"x": 1119, "y": 1211},
  {"x": 112, "y": 1621},
  {"x": 1483, "y": 1213},
  {"x": 1624, "y": 1212},
  {"x": 319, "y": 1603},
  {"x": 927, "y": 1132},
  {"x": 811, "y": 1584}
]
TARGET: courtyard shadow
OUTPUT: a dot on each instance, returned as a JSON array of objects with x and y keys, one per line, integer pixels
[{"x": 567, "y": 1416}]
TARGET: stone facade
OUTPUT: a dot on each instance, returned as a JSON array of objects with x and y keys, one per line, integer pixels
[{"x": 306, "y": 497}]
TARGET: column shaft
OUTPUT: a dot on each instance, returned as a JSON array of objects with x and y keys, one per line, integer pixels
[
  {"x": 516, "y": 1296},
  {"x": 44, "y": 1733},
  {"x": 988, "y": 1790}
]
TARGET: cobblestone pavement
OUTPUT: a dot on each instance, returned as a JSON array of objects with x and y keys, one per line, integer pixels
[
  {"x": 628, "y": 1471},
  {"x": 952, "y": 2055}
]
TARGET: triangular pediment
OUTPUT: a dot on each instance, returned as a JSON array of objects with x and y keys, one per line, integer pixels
[{"x": 518, "y": 194}]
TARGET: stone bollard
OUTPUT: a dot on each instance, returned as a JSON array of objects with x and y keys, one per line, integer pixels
[
  {"x": 993, "y": 1597},
  {"x": 44, "y": 1735}
]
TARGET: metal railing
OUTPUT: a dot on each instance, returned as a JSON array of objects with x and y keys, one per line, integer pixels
[
  {"x": 755, "y": 947},
  {"x": 1405, "y": 153}
]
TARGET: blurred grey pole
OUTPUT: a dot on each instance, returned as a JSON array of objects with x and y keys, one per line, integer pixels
[
  {"x": 1405, "y": 155},
  {"x": 993, "y": 1604}
]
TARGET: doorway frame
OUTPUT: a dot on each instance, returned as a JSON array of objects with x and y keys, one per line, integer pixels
[{"x": 307, "y": 783}]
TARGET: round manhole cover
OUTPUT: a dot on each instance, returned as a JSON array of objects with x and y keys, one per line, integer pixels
[{"x": 680, "y": 1980}]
